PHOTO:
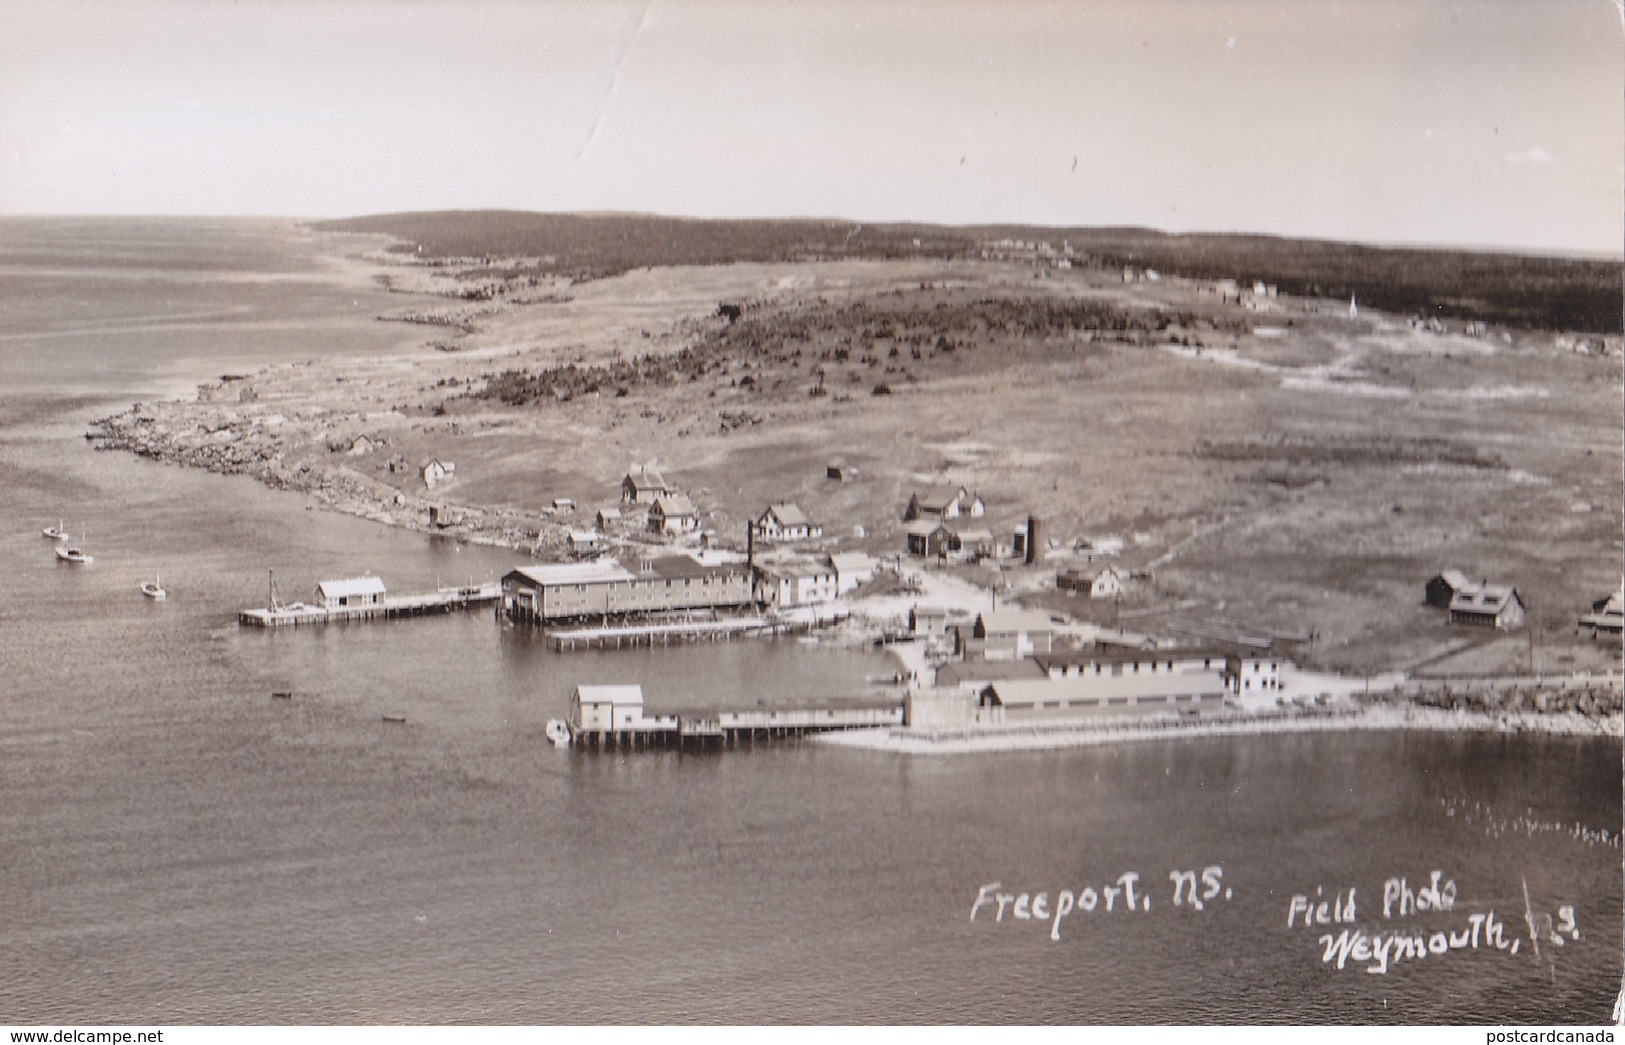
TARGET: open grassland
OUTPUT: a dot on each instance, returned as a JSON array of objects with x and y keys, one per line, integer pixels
[{"x": 1294, "y": 472}]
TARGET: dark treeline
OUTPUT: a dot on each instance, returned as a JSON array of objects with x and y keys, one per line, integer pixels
[
  {"x": 1542, "y": 293},
  {"x": 1506, "y": 289}
]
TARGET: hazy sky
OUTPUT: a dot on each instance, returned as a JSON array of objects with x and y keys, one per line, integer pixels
[{"x": 1486, "y": 122}]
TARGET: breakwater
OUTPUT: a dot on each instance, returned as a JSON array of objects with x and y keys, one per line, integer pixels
[{"x": 1037, "y": 736}]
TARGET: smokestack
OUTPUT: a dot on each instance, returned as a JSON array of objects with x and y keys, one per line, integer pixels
[{"x": 1032, "y": 540}]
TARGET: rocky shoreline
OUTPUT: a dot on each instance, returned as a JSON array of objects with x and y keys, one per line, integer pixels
[{"x": 177, "y": 433}]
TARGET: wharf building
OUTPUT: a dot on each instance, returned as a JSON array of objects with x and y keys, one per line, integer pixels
[
  {"x": 608, "y": 589},
  {"x": 1056, "y": 684},
  {"x": 1093, "y": 683},
  {"x": 614, "y": 716}
]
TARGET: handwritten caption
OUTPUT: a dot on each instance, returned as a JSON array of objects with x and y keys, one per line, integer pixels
[
  {"x": 1445, "y": 930},
  {"x": 1127, "y": 895},
  {"x": 1411, "y": 920}
]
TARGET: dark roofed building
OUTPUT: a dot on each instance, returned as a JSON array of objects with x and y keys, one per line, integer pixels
[
  {"x": 1607, "y": 616},
  {"x": 1443, "y": 588}
]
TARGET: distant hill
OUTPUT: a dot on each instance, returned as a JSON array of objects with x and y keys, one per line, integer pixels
[{"x": 1508, "y": 289}]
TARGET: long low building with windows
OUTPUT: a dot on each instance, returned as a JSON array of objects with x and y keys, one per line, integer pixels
[
  {"x": 583, "y": 591},
  {"x": 1181, "y": 684}
]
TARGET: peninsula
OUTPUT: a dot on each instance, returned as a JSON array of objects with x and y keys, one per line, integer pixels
[{"x": 1187, "y": 439}]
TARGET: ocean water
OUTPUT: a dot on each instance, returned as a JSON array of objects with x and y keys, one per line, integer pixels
[{"x": 178, "y": 847}]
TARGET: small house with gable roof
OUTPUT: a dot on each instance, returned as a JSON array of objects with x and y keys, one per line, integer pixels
[
  {"x": 673, "y": 513},
  {"x": 943, "y": 502},
  {"x": 1489, "y": 606},
  {"x": 1007, "y": 633},
  {"x": 436, "y": 471},
  {"x": 644, "y": 486},
  {"x": 785, "y": 521}
]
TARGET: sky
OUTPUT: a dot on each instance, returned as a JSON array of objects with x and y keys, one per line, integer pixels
[{"x": 1485, "y": 123}]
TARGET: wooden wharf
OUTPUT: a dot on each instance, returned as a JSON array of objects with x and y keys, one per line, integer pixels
[
  {"x": 615, "y": 636},
  {"x": 711, "y": 728},
  {"x": 390, "y": 607}
]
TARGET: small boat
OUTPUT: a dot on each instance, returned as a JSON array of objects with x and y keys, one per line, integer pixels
[
  {"x": 73, "y": 555},
  {"x": 558, "y": 732},
  {"x": 55, "y": 533},
  {"x": 154, "y": 589}
]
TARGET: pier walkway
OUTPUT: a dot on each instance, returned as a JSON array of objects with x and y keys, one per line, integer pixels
[
  {"x": 613, "y": 717},
  {"x": 614, "y": 636},
  {"x": 445, "y": 600}
]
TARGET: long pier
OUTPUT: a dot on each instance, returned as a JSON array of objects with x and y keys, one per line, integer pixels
[
  {"x": 615, "y": 636},
  {"x": 445, "y": 600},
  {"x": 729, "y": 728}
]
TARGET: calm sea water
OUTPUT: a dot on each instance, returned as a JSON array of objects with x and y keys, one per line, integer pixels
[{"x": 175, "y": 846}]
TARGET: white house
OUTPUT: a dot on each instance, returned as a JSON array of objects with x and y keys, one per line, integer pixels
[
  {"x": 582, "y": 542},
  {"x": 436, "y": 471},
  {"x": 1493, "y": 605},
  {"x": 1103, "y": 583},
  {"x": 796, "y": 582},
  {"x": 1253, "y": 672},
  {"x": 785, "y": 521},
  {"x": 608, "y": 517},
  {"x": 644, "y": 486},
  {"x": 851, "y": 570},
  {"x": 674, "y": 513},
  {"x": 943, "y": 502},
  {"x": 1003, "y": 634}
]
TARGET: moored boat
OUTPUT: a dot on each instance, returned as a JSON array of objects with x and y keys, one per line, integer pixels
[
  {"x": 154, "y": 589},
  {"x": 558, "y": 731},
  {"x": 55, "y": 533},
  {"x": 73, "y": 555}
]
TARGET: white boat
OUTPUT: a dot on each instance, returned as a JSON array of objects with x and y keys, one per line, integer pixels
[
  {"x": 68, "y": 553},
  {"x": 55, "y": 533},
  {"x": 154, "y": 589},
  {"x": 558, "y": 732}
]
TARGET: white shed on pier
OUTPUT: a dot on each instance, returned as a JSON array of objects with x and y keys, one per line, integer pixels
[
  {"x": 356, "y": 591},
  {"x": 606, "y": 708}
]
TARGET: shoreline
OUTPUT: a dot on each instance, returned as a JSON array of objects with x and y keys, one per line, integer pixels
[{"x": 1046, "y": 736}]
